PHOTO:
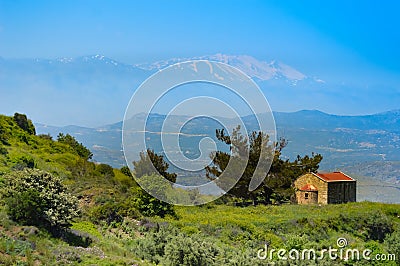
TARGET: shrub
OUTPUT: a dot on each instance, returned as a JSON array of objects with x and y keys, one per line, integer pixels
[
  {"x": 146, "y": 203},
  {"x": 393, "y": 244},
  {"x": 105, "y": 170},
  {"x": 79, "y": 148},
  {"x": 26, "y": 207},
  {"x": 3, "y": 150},
  {"x": 36, "y": 197},
  {"x": 378, "y": 226},
  {"x": 152, "y": 246},
  {"x": 295, "y": 241},
  {"x": 46, "y": 136},
  {"x": 107, "y": 212},
  {"x": 183, "y": 250},
  {"x": 126, "y": 171},
  {"x": 87, "y": 227},
  {"x": 23, "y": 161},
  {"x": 24, "y": 123}
]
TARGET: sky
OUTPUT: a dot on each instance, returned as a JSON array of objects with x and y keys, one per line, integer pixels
[
  {"x": 307, "y": 34},
  {"x": 354, "y": 42}
]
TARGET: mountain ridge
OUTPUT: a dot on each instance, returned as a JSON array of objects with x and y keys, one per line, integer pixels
[
  {"x": 100, "y": 81},
  {"x": 394, "y": 112},
  {"x": 259, "y": 69},
  {"x": 253, "y": 67}
]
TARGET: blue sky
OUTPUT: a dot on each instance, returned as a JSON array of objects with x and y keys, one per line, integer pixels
[
  {"x": 330, "y": 37},
  {"x": 354, "y": 43}
]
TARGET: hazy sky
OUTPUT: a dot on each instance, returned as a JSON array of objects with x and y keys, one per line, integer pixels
[
  {"x": 352, "y": 45},
  {"x": 330, "y": 38}
]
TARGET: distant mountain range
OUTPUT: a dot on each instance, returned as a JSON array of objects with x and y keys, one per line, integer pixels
[
  {"x": 251, "y": 66},
  {"x": 95, "y": 90},
  {"x": 260, "y": 70}
]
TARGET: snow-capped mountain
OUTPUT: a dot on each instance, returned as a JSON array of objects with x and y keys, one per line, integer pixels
[
  {"x": 257, "y": 69},
  {"x": 253, "y": 67},
  {"x": 88, "y": 60},
  {"x": 84, "y": 86}
]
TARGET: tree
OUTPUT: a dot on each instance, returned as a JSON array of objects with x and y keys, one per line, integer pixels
[
  {"x": 151, "y": 163},
  {"x": 45, "y": 136},
  {"x": 146, "y": 203},
  {"x": 79, "y": 148},
  {"x": 245, "y": 154},
  {"x": 25, "y": 123},
  {"x": 256, "y": 153},
  {"x": 35, "y": 197},
  {"x": 105, "y": 170},
  {"x": 126, "y": 171},
  {"x": 151, "y": 172}
]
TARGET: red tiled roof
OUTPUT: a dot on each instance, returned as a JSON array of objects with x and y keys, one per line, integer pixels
[
  {"x": 309, "y": 187},
  {"x": 335, "y": 176}
]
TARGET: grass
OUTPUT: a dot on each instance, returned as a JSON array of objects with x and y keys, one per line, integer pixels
[
  {"x": 232, "y": 230},
  {"x": 274, "y": 223}
]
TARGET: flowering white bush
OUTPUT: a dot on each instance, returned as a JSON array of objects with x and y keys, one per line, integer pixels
[{"x": 38, "y": 198}]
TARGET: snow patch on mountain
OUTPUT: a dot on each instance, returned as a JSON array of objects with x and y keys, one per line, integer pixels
[{"x": 261, "y": 70}]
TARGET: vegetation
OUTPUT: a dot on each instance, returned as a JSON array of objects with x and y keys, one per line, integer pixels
[
  {"x": 82, "y": 151},
  {"x": 38, "y": 198},
  {"x": 258, "y": 152},
  {"x": 120, "y": 224},
  {"x": 24, "y": 123},
  {"x": 105, "y": 170},
  {"x": 151, "y": 163}
]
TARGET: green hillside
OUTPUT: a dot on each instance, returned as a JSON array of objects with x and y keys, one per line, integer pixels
[{"x": 113, "y": 227}]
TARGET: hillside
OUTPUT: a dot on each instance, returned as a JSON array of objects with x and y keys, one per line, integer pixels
[
  {"x": 96, "y": 190},
  {"x": 365, "y": 147},
  {"x": 113, "y": 230}
]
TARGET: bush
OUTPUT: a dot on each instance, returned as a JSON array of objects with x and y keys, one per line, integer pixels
[
  {"x": 45, "y": 136},
  {"x": 107, "y": 212},
  {"x": 26, "y": 207},
  {"x": 152, "y": 246},
  {"x": 393, "y": 244},
  {"x": 22, "y": 162},
  {"x": 79, "y": 148},
  {"x": 105, "y": 170},
  {"x": 24, "y": 123},
  {"x": 163, "y": 244},
  {"x": 126, "y": 171},
  {"x": 295, "y": 241},
  {"x": 3, "y": 151},
  {"x": 378, "y": 226},
  {"x": 38, "y": 198},
  {"x": 146, "y": 203},
  {"x": 183, "y": 250}
]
